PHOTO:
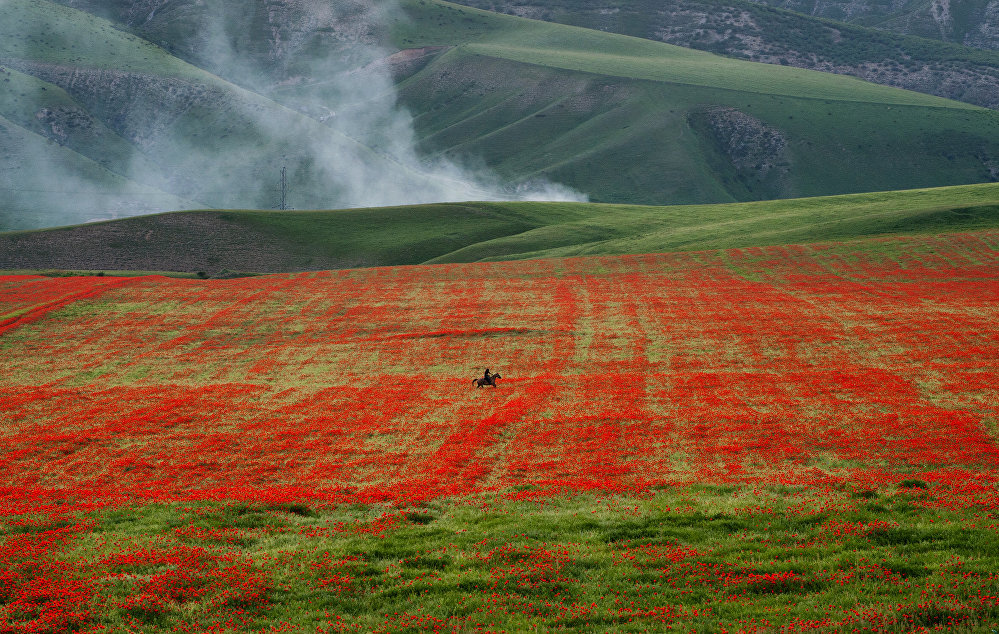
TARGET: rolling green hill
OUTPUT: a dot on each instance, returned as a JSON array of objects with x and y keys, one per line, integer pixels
[
  {"x": 628, "y": 120},
  {"x": 577, "y": 49},
  {"x": 34, "y": 199},
  {"x": 269, "y": 241},
  {"x": 621, "y": 119}
]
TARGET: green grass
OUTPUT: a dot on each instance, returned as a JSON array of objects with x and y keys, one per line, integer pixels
[
  {"x": 25, "y": 100},
  {"x": 570, "y": 562},
  {"x": 175, "y": 125},
  {"x": 573, "y": 48},
  {"x": 626, "y": 140},
  {"x": 469, "y": 232},
  {"x": 699, "y": 227},
  {"x": 30, "y": 197},
  {"x": 795, "y": 37},
  {"x": 617, "y": 117},
  {"x": 50, "y": 33},
  {"x": 615, "y": 55}
]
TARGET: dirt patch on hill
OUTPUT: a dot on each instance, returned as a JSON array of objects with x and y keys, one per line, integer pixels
[
  {"x": 746, "y": 148},
  {"x": 411, "y": 60},
  {"x": 210, "y": 242}
]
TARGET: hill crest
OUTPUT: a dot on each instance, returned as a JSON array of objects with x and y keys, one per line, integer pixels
[{"x": 212, "y": 242}]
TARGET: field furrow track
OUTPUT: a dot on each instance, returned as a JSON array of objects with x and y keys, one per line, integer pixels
[{"x": 83, "y": 290}]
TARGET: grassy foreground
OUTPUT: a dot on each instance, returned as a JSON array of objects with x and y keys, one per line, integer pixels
[{"x": 902, "y": 557}]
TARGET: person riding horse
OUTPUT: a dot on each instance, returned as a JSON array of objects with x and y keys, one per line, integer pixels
[{"x": 488, "y": 378}]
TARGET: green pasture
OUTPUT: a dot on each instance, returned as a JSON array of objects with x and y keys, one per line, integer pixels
[
  {"x": 715, "y": 556},
  {"x": 581, "y": 49},
  {"x": 485, "y": 231},
  {"x": 212, "y": 149},
  {"x": 624, "y": 229},
  {"x": 803, "y": 30},
  {"x": 24, "y": 101},
  {"x": 625, "y": 140},
  {"x": 618, "y": 117},
  {"x": 573, "y": 48}
]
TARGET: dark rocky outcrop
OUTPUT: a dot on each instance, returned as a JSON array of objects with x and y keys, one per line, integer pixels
[{"x": 752, "y": 151}]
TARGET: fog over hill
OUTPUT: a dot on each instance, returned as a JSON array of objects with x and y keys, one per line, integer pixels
[{"x": 151, "y": 133}]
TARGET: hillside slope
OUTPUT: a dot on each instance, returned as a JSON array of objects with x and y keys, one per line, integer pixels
[
  {"x": 755, "y": 31},
  {"x": 152, "y": 118},
  {"x": 620, "y": 119},
  {"x": 268, "y": 241},
  {"x": 628, "y": 120}
]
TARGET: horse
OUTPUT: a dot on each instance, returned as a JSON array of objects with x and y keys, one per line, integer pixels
[{"x": 482, "y": 382}]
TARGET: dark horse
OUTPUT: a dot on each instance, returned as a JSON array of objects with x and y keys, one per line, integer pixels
[{"x": 484, "y": 382}]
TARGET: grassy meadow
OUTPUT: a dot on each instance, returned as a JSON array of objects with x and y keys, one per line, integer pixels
[
  {"x": 806, "y": 39},
  {"x": 579, "y": 49},
  {"x": 636, "y": 138},
  {"x": 735, "y": 394},
  {"x": 695, "y": 559}
]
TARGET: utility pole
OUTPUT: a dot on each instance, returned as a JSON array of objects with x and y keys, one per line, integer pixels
[{"x": 284, "y": 187}]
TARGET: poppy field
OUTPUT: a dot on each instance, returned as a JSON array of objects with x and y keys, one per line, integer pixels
[{"x": 797, "y": 438}]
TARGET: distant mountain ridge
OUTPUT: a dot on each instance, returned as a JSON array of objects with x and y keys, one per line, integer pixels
[{"x": 152, "y": 120}]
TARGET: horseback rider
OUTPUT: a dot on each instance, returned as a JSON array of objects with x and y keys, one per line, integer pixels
[{"x": 488, "y": 378}]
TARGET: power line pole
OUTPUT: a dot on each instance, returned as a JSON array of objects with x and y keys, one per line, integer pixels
[{"x": 284, "y": 187}]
